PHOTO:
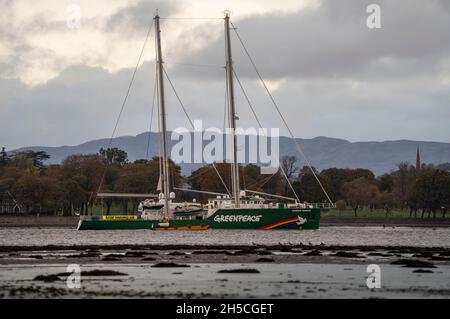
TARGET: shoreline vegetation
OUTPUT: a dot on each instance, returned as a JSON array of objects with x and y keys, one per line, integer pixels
[{"x": 29, "y": 187}]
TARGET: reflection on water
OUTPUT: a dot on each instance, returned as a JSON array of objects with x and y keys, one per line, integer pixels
[{"x": 401, "y": 236}]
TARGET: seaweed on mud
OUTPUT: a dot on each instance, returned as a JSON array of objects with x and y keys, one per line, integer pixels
[
  {"x": 148, "y": 259},
  {"x": 239, "y": 271},
  {"x": 84, "y": 255},
  {"x": 241, "y": 252},
  {"x": 87, "y": 273},
  {"x": 314, "y": 252},
  {"x": 411, "y": 263},
  {"x": 102, "y": 272},
  {"x": 265, "y": 260},
  {"x": 169, "y": 265},
  {"x": 439, "y": 258},
  {"x": 208, "y": 252},
  {"x": 135, "y": 254},
  {"x": 423, "y": 271},
  {"x": 347, "y": 254},
  {"x": 176, "y": 253},
  {"x": 285, "y": 249},
  {"x": 425, "y": 254},
  {"x": 47, "y": 278},
  {"x": 109, "y": 258},
  {"x": 264, "y": 252},
  {"x": 377, "y": 254}
]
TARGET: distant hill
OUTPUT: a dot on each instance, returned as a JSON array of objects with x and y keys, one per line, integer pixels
[{"x": 322, "y": 152}]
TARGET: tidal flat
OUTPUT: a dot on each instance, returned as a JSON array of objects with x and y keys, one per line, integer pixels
[{"x": 224, "y": 271}]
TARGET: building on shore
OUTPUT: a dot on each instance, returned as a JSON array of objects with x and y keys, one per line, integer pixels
[{"x": 8, "y": 205}]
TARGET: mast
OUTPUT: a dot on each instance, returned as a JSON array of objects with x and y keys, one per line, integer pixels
[
  {"x": 232, "y": 112},
  {"x": 165, "y": 160}
]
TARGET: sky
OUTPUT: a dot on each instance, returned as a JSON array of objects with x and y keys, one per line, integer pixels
[{"x": 63, "y": 83}]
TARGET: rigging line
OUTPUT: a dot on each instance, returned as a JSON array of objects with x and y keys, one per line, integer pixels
[
  {"x": 178, "y": 98},
  {"x": 297, "y": 145},
  {"x": 151, "y": 121},
  {"x": 262, "y": 130},
  {"x": 179, "y": 18},
  {"x": 220, "y": 177},
  {"x": 243, "y": 176},
  {"x": 189, "y": 119},
  {"x": 247, "y": 99},
  {"x": 195, "y": 65},
  {"x": 123, "y": 106},
  {"x": 266, "y": 181},
  {"x": 260, "y": 188},
  {"x": 289, "y": 183}
]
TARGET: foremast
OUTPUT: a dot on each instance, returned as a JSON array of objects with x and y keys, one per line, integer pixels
[{"x": 231, "y": 113}]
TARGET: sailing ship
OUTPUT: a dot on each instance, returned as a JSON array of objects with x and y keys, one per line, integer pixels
[{"x": 241, "y": 209}]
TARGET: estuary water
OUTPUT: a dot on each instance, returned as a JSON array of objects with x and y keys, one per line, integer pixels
[{"x": 345, "y": 236}]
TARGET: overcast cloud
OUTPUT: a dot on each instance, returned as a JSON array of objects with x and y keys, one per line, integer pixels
[{"x": 331, "y": 75}]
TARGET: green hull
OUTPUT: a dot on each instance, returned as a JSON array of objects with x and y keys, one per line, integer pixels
[{"x": 259, "y": 218}]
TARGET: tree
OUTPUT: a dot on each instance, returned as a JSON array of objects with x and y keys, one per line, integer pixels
[
  {"x": 404, "y": 179},
  {"x": 83, "y": 173},
  {"x": 308, "y": 188},
  {"x": 4, "y": 158},
  {"x": 289, "y": 170},
  {"x": 432, "y": 191},
  {"x": 37, "y": 158},
  {"x": 359, "y": 192},
  {"x": 336, "y": 178},
  {"x": 143, "y": 178},
  {"x": 385, "y": 183},
  {"x": 114, "y": 156},
  {"x": 30, "y": 192},
  {"x": 385, "y": 200},
  {"x": 206, "y": 179}
]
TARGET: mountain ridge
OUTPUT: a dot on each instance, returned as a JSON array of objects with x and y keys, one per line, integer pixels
[{"x": 323, "y": 152}]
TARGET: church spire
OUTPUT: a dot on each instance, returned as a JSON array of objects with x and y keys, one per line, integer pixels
[{"x": 418, "y": 165}]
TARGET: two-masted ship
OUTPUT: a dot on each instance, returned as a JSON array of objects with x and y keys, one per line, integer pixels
[{"x": 242, "y": 209}]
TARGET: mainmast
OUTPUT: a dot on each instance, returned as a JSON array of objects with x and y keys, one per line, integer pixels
[
  {"x": 232, "y": 112},
  {"x": 165, "y": 160}
]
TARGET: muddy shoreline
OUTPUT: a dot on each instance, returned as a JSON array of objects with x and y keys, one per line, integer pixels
[
  {"x": 70, "y": 221},
  {"x": 223, "y": 271}
]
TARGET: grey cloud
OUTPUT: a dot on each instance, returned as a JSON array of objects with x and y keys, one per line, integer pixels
[
  {"x": 139, "y": 16},
  {"x": 333, "y": 40}
]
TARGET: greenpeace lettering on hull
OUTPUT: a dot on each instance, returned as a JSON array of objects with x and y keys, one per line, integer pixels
[{"x": 237, "y": 218}]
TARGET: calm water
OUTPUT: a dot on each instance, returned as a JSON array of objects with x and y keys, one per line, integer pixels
[{"x": 403, "y": 236}]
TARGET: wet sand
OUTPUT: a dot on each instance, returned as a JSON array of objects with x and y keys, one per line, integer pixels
[{"x": 276, "y": 271}]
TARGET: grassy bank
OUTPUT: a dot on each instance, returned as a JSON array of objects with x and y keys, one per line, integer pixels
[{"x": 396, "y": 213}]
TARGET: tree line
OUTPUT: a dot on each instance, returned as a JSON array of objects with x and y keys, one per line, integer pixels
[{"x": 72, "y": 186}]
